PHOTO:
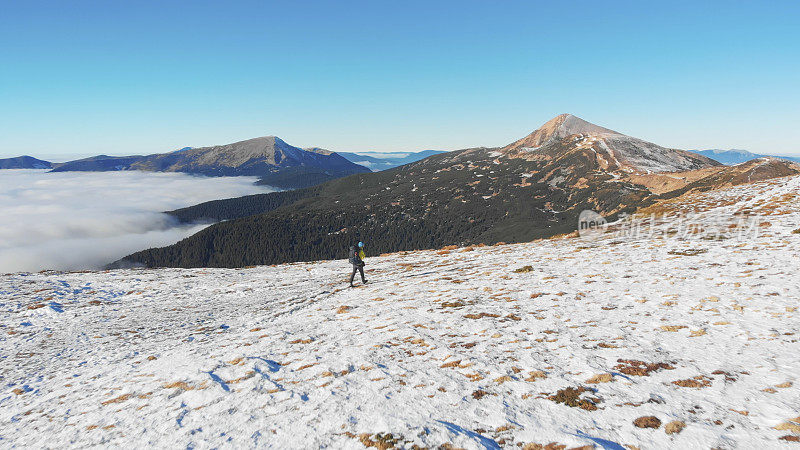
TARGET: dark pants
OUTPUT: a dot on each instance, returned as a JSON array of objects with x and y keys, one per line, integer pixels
[{"x": 360, "y": 269}]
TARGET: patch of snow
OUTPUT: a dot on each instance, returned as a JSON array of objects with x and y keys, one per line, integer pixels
[{"x": 440, "y": 347}]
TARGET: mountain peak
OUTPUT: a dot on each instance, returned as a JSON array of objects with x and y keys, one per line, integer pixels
[
  {"x": 559, "y": 127},
  {"x": 613, "y": 151}
]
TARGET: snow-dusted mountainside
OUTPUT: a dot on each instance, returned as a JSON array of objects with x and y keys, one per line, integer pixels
[
  {"x": 673, "y": 184},
  {"x": 641, "y": 343},
  {"x": 471, "y": 196},
  {"x": 614, "y": 151}
]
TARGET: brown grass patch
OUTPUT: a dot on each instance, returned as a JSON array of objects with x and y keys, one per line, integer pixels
[
  {"x": 550, "y": 446},
  {"x": 792, "y": 425},
  {"x": 503, "y": 379},
  {"x": 699, "y": 381},
  {"x": 647, "y": 422},
  {"x": 481, "y": 315},
  {"x": 640, "y": 368},
  {"x": 604, "y": 345},
  {"x": 343, "y": 309},
  {"x": 672, "y": 328},
  {"x": 178, "y": 385},
  {"x": 688, "y": 252},
  {"x": 572, "y": 397},
  {"x": 381, "y": 441},
  {"x": 479, "y": 394},
  {"x": 302, "y": 341},
  {"x": 119, "y": 399},
  {"x": 452, "y": 304}
]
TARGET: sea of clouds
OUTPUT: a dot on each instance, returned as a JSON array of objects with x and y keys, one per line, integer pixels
[{"x": 85, "y": 220}]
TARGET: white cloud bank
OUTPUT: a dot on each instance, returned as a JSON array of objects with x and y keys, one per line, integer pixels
[{"x": 84, "y": 220}]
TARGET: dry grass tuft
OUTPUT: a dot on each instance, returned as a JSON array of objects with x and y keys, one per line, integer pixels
[
  {"x": 688, "y": 252},
  {"x": 672, "y": 328},
  {"x": 535, "y": 374},
  {"x": 699, "y": 381},
  {"x": 343, "y": 309},
  {"x": 601, "y": 378},
  {"x": 792, "y": 425},
  {"x": 179, "y": 385},
  {"x": 524, "y": 269},
  {"x": 674, "y": 427},
  {"x": 381, "y": 441},
  {"x": 550, "y": 446},
  {"x": 119, "y": 399},
  {"x": 451, "y": 364}
]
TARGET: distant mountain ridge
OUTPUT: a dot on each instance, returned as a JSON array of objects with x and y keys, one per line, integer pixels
[
  {"x": 270, "y": 158},
  {"x": 737, "y": 156},
  {"x": 377, "y": 161},
  {"x": 24, "y": 162}
]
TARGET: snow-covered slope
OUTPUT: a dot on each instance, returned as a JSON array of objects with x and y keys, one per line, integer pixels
[{"x": 562, "y": 340}]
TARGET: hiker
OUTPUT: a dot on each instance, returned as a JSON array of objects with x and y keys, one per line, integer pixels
[{"x": 357, "y": 260}]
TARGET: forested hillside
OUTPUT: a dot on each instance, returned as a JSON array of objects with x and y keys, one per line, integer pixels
[
  {"x": 465, "y": 197},
  {"x": 234, "y": 208}
]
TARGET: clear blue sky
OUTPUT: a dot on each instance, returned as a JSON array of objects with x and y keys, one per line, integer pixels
[{"x": 88, "y": 77}]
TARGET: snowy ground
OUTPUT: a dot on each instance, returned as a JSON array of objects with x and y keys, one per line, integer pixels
[{"x": 450, "y": 346}]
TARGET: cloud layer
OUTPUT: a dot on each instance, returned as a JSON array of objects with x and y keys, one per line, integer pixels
[{"x": 84, "y": 220}]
